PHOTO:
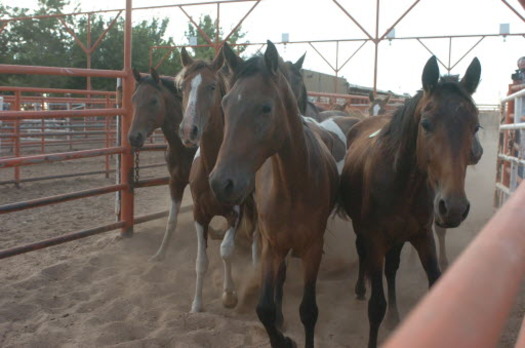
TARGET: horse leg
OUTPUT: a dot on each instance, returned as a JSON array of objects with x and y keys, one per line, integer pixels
[
  {"x": 391, "y": 266},
  {"x": 308, "y": 309},
  {"x": 201, "y": 265},
  {"x": 360, "y": 287},
  {"x": 229, "y": 296},
  {"x": 266, "y": 308},
  {"x": 377, "y": 303},
  {"x": 176, "y": 191},
  {"x": 443, "y": 260},
  {"x": 426, "y": 249},
  {"x": 281, "y": 277},
  {"x": 255, "y": 247}
]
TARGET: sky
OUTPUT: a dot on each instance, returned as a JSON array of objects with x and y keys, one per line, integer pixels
[{"x": 401, "y": 62}]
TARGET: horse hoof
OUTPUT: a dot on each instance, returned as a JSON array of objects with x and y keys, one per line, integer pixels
[
  {"x": 289, "y": 343},
  {"x": 196, "y": 308},
  {"x": 229, "y": 299},
  {"x": 360, "y": 297}
]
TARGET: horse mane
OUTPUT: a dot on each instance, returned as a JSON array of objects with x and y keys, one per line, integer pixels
[
  {"x": 166, "y": 82},
  {"x": 199, "y": 64}
]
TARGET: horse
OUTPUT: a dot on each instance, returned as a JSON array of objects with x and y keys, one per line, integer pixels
[
  {"x": 293, "y": 73},
  {"x": 377, "y": 105},
  {"x": 203, "y": 87},
  {"x": 158, "y": 104},
  {"x": 266, "y": 144},
  {"x": 405, "y": 171}
]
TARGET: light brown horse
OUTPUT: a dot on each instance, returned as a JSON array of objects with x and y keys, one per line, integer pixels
[
  {"x": 404, "y": 171},
  {"x": 269, "y": 151},
  {"x": 203, "y": 87},
  {"x": 378, "y": 104},
  {"x": 158, "y": 104}
]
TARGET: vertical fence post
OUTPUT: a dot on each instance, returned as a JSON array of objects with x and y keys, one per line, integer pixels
[
  {"x": 106, "y": 137},
  {"x": 127, "y": 203},
  {"x": 17, "y": 138}
]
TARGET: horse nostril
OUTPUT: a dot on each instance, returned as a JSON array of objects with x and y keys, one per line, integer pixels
[
  {"x": 228, "y": 186},
  {"x": 465, "y": 213},
  {"x": 194, "y": 132},
  {"x": 442, "y": 207}
]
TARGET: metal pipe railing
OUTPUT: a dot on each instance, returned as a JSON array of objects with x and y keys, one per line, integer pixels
[{"x": 469, "y": 305}]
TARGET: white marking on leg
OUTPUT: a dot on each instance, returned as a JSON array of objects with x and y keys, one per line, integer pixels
[
  {"x": 170, "y": 227},
  {"x": 197, "y": 154},
  {"x": 227, "y": 247},
  {"x": 255, "y": 248},
  {"x": 239, "y": 97},
  {"x": 201, "y": 266}
]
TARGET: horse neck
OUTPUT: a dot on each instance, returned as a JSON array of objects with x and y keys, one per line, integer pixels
[
  {"x": 402, "y": 140},
  {"x": 292, "y": 157},
  {"x": 302, "y": 100},
  {"x": 173, "y": 117}
]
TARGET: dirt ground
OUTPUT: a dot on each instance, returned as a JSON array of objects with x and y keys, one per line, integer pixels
[{"x": 102, "y": 291}]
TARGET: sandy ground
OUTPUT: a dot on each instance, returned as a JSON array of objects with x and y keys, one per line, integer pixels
[{"x": 102, "y": 291}]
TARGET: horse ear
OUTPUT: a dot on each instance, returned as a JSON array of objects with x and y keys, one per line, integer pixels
[
  {"x": 299, "y": 64},
  {"x": 136, "y": 74},
  {"x": 371, "y": 96},
  {"x": 185, "y": 57},
  {"x": 218, "y": 61},
  {"x": 471, "y": 79},
  {"x": 155, "y": 75},
  {"x": 230, "y": 57},
  {"x": 430, "y": 76},
  {"x": 271, "y": 57}
]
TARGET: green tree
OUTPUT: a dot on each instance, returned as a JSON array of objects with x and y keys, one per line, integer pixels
[{"x": 210, "y": 28}]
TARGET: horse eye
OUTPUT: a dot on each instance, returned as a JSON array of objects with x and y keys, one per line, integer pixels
[
  {"x": 426, "y": 124},
  {"x": 266, "y": 108},
  {"x": 478, "y": 127},
  {"x": 212, "y": 86}
]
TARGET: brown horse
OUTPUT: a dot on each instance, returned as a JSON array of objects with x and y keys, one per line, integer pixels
[
  {"x": 203, "y": 87},
  {"x": 158, "y": 104},
  {"x": 266, "y": 145},
  {"x": 377, "y": 105},
  {"x": 404, "y": 171}
]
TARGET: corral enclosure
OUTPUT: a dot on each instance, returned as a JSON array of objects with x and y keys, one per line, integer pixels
[{"x": 103, "y": 291}]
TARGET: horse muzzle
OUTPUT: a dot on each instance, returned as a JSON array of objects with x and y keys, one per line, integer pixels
[
  {"x": 228, "y": 189},
  {"x": 136, "y": 139},
  {"x": 189, "y": 135},
  {"x": 450, "y": 213}
]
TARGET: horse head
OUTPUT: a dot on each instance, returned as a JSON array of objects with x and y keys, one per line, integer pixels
[
  {"x": 446, "y": 138},
  {"x": 149, "y": 107},
  {"x": 202, "y": 88},
  {"x": 254, "y": 125},
  {"x": 377, "y": 105}
]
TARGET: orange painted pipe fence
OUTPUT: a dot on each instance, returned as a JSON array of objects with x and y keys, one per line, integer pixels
[{"x": 469, "y": 305}]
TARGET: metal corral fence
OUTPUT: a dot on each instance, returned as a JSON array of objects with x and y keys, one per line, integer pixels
[
  {"x": 353, "y": 102},
  {"x": 119, "y": 116},
  {"x": 511, "y": 147},
  {"x": 22, "y": 137}
]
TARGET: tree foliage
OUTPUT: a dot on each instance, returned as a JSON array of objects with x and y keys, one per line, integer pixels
[
  {"x": 46, "y": 42},
  {"x": 209, "y": 27}
]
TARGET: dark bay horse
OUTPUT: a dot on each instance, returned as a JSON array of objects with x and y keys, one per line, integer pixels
[
  {"x": 293, "y": 73},
  {"x": 270, "y": 152},
  {"x": 203, "y": 87},
  {"x": 158, "y": 104},
  {"x": 403, "y": 172}
]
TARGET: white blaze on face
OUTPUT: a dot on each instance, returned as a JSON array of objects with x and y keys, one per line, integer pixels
[
  {"x": 239, "y": 97},
  {"x": 375, "y": 110},
  {"x": 192, "y": 99}
]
